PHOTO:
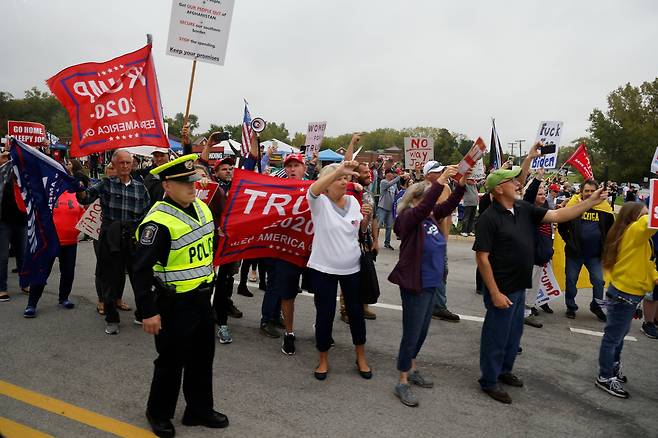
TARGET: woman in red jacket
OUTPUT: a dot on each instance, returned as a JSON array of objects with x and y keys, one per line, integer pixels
[
  {"x": 420, "y": 270},
  {"x": 66, "y": 214}
]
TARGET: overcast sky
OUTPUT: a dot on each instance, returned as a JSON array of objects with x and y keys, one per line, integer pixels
[{"x": 363, "y": 64}]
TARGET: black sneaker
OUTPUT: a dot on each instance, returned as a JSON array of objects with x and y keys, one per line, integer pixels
[
  {"x": 532, "y": 322},
  {"x": 498, "y": 394},
  {"x": 233, "y": 311},
  {"x": 571, "y": 314},
  {"x": 244, "y": 291},
  {"x": 534, "y": 311},
  {"x": 269, "y": 329},
  {"x": 288, "y": 346},
  {"x": 445, "y": 315},
  {"x": 649, "y": 330},
  {"x": 599, "y": 313},
  {"x": 546, "y": 308},
  {"x": 388, "y": 245},
  {"x": 511, "y": 380},
  {"x": 612, "y": 386}
]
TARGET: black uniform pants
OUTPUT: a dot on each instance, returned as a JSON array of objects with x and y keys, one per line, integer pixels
[
  {"x": 186, "y": 350},
  {"x": 113, "y": 260},
  {"x": 223, "y": 292}
]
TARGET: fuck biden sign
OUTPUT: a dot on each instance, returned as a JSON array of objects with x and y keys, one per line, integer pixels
[{"x": 265, "y": 217}]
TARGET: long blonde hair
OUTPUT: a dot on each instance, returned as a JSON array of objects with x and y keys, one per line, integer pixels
[
  {"x": 415, "y": 191},
  {"x": 629, "y": 213}
]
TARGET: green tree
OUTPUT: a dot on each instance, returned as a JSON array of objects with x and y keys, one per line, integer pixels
[
  {"x": 176, "y": 124},
  {"x": 624, "y": 136},
  {"x": 275, "y": 130},
  {"x": 37, "y": 106},
  {"x": 298, "y": 139}
]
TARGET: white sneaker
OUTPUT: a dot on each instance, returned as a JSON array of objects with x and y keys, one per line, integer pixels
[
  {"x": 463, "y": 234},
  {"x": 112, "y": 328}
]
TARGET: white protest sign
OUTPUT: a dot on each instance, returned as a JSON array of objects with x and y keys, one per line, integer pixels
[
  {"x": 314, "y": 137},
  {"x": 654, "y": 162},
  {"x": 549, "y": 135},
  {"x": 90, "y": 222},
  {"x": 199, "y": 29},
  {"x": 478, "y": 170},
  {"x": 417, "y": 151},
  {"x": 547, "y": 287}
]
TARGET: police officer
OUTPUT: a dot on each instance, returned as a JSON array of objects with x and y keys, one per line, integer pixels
[{"x": 174, "y": 272}]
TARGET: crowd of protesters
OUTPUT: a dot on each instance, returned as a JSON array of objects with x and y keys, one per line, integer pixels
[{"x": 512, "y": 215}]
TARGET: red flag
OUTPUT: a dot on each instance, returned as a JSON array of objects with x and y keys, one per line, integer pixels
[
  {"x": 112, "y": 104},
  {"x": 266, "y": 217},
  {"x": 580, "y": 160}
]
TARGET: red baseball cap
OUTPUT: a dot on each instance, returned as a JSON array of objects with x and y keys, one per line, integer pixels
[
  {"x": 554, "y": 188},
  {"x": 294, "y": 157},
  {"x": 226, "y": 160}
]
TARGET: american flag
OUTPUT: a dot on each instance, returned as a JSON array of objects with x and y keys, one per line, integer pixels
[{"x": 246, "y": 131}]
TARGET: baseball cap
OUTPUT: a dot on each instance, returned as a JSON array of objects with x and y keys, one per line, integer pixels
[
  {"x": 160, "y": 150},
  {"x": 432, "y": 166},
  {"x": 226, "y": 160},
  {"x": 294, "y": 157},
  {"x": 501, "y": 175},
  {"x": 554, "y": 188}
]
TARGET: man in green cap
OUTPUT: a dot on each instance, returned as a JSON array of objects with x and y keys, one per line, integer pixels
[
  {"x": 173, "y": 268},
  {"x": 504, "y": 246}
]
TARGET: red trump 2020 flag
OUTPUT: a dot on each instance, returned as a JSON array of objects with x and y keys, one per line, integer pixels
[
  {"x": 580, "y": 160},
  {"x": 265, "y": 217},
  {"x": 112, "y": 104}
]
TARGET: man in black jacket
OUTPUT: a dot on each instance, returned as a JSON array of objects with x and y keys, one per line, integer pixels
[{"x": 584, "y": 238}]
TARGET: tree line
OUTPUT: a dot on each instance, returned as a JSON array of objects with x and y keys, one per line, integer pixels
[{"x": 622, "y": 137}]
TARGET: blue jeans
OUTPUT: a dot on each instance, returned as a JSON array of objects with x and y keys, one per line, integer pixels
[
  {"x": 385, "y": 217},
  {"x": 572, "y": 271},
  {"x": 271, "y": 306},
  {"x": 17, "y": 235},
  {"x": 325, "y": 288},
  {"x": 416, "y": 317},
  {"x": 501, "y": 337},
  {"x": 67, "y": 256},
  {"x": 440, "y": 301},
  {"x": 621, "y": 308}
]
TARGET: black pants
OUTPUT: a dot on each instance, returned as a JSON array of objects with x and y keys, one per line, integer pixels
[
  {"x": 223, "y": 293},
  {"x": 325, "y": 287},
  {"x": 185, "y": 345},
  {"x": 67, "y": 255},
  {"x": 112, "y": 273}
]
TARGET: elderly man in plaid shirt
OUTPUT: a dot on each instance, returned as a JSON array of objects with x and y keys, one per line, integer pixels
[{"x": 124, "y": 202}]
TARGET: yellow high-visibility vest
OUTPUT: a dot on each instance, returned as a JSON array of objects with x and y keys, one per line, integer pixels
[{"x": 190, "y": 261}]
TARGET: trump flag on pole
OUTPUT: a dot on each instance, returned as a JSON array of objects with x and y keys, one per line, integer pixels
[
  {"x": 41, "y": 180},
  {"x": 112, "y": 104}
]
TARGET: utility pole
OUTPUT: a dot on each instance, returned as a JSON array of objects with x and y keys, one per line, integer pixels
[
  {"x": 512, "y": 146},
  {"x": 520, "y": 142}
]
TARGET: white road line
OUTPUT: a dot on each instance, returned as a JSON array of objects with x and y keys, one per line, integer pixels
[
  {"x": 598, "y": 334},
  {"x": 477, "y": 318}
]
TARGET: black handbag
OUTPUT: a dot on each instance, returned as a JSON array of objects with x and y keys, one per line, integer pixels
[{"x": 369, "y": 287}]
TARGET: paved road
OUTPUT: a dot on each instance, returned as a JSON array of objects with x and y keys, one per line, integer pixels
[{"x": 66, "y": 355}]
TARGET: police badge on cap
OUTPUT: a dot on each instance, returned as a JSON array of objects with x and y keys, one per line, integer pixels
[{"x": 181, "y": 169}]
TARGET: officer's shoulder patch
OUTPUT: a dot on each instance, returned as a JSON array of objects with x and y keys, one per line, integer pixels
[{"x": 148, "y": 234}]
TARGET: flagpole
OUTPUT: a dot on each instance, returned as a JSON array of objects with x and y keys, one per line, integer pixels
[{"x": 189, "y": 93}]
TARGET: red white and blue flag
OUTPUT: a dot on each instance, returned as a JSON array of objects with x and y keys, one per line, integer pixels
[
  {"x": 41, "y": 180},
  {"x": 246, "y": 131}
]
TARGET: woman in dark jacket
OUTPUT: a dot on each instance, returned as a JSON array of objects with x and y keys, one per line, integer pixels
[{"x": 420, "y": 270}]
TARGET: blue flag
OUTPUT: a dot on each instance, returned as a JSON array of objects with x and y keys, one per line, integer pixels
[
  {"x": 495, "y": 151},
  {"x": 41, "y": 180}
]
